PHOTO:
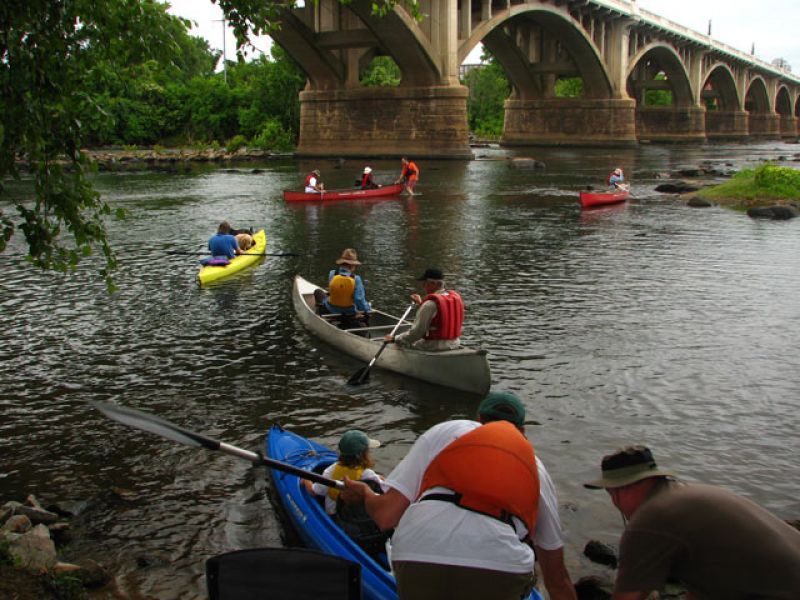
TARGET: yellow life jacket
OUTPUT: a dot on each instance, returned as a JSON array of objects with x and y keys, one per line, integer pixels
[
  {"x": 342, "y": 290},
  {"x": 339, "y": 473}
]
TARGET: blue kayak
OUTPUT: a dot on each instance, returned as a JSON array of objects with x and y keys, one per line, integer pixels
[{"x": 308, "y": 515}]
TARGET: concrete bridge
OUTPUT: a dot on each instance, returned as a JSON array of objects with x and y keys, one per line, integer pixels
[{"x": 618, "y": 51}]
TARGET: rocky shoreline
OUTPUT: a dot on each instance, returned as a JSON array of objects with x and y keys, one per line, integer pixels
[{"x": 32, "y": 537}]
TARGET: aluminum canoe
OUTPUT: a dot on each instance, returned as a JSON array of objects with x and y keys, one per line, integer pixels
[{"x": 465, "y": 369}]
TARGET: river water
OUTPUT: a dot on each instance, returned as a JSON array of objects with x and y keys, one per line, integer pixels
[{"x": 649, "y": 322}]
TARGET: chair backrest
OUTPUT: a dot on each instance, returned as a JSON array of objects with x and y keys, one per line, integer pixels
[{"x": 282, "y": 574}]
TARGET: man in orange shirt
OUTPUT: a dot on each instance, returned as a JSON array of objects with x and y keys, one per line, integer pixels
[{"x": 409, "y": 175}]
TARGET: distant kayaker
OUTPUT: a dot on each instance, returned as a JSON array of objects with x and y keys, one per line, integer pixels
[
  {"x": 469, "y": 503},
  {"x": 346, "y": 295},
  {"x": 616, "y": 179},
  {"x": 314, "y": 182},
  {"x": 409, "y": 175},
  {"x": 368, "y": 180},
  {"x": 718, "y": 544},
  {"x": 223, "y": 244},
  {"x": 440, "y": 315}
]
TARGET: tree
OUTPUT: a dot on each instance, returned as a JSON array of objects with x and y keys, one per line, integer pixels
[
  {"x": 488, "y": 90},
  {"x": 47, "y": 50}
]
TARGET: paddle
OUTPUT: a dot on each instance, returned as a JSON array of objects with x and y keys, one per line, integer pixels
[
  {"x": 362, "y": 374},
  {"x": 147, "y": 422},
  {"x": 189, "y": 253}
]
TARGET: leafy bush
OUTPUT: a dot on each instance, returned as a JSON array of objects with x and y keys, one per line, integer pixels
[
  {"x": 382, "y": 72},
  {"x": 273, "y": 137},
  {"x": 780, "y": 180},
  {"x": 236, "y": 142}
]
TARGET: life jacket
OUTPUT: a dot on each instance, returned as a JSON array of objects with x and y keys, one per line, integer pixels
[
  {"x": 366, "y": 181},
  {"x": 411, "y": 171},
  {"x": 492, "y": 470},
  {"x": 309, "y": 177},
  {"x": 339, "y": 473},
  {"x": 446, "y": 325},
  {"x": 342, "y": 289}
]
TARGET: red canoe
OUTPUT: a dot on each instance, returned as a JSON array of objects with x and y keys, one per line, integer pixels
[
  {"x": 351, "y": 194},
  {"x": 590, "y": 199}
]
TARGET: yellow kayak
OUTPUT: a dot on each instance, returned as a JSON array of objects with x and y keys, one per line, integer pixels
[{"x": 240, "y": 261}]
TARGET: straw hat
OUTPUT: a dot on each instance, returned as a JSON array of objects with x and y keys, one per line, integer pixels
[{"x": 348, "y": 257}]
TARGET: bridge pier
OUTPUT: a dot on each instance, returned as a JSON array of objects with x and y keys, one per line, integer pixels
[
  {"x": 424, "y": 122},
  {"x": 671, "y": 124},
  {"x": 562, "y": 121},
  {"x": 764, "y": 125},
  {"x": 789, "y": 127},
  {"x": 726, "y": 125}
]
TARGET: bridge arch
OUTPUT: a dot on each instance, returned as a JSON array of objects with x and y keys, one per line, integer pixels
[
  {"x": 651, "y": 61},
  {"x": 757, "y": 99},
  {"x": 718, "y": 91},
  {"x": 536, "y": 44},
  {"x": 783, "y": 103}
]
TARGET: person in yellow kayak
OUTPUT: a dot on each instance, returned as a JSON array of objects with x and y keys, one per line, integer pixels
[
  {"x": 223, "y": 244},
  {"x": 355, "y": 462},
  {"x": 346, "y": 295},
  {"x": 473, "y": 508}
]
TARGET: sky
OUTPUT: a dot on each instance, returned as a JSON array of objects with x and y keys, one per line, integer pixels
[{"x": 772, "y": 25}]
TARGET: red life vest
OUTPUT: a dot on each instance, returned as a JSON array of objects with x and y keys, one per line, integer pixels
[
  {"x": 493, "y": 468},
  {"x": 411, "y": 171},
  {"x": 309, "y": 177},
  {"x": 366, "y": 181},
  {"x": 446, "y": 325}
]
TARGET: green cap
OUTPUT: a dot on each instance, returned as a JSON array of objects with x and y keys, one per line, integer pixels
[
  {"x": 502, "y": 406},
  {"x": 354, "y": 442}
]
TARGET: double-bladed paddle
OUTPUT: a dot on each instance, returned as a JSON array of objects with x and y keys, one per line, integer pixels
[
  {"x": 188, "y": 253},
  {"x": 362, "y": 374},
  {"x": 147, "y": 422}
]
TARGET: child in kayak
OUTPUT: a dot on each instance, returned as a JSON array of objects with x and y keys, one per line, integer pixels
[{"x": 354, "y": 463}]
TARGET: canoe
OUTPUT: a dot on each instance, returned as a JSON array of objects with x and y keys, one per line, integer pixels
[
  {"x": 239, "y": 262},
  {"x": 351, "y": 194},
  {"x": 464, "y": 369},
  {"x": 590, "y": 199},
  {"x": 308, "y": 516}
]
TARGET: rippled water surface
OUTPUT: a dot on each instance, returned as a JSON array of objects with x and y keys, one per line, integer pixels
[{"x": 646, "y": 322}]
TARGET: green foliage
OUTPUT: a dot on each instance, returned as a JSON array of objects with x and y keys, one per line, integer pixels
[
  {"x": 658, "y": 98},
  {"x": 235, "y": 143},
  {"x": 488, "y": 89},
  {"x": 766, "y": 182},
  {"x": 569, "y": 87},
  {"x": 273, "y": 137},
  {"x": 382, "y": 71}
]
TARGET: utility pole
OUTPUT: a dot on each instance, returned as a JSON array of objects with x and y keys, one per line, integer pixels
[
  {"x": 709, "y": 27},
  {"x": 224, "y": 54}
]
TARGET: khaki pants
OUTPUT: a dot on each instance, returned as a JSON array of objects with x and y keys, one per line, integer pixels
[{"x": 428, "y": 581}]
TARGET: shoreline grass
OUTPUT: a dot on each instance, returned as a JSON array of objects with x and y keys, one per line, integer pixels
[{"x": 762, "y": 186}]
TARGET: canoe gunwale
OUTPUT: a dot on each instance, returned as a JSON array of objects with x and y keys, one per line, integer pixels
[
  {"x": 343, "y": 194},
  {"x": 464, "y": 369}
]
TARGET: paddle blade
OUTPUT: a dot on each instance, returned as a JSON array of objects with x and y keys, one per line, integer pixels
[
  {"x": 147, "y": 422},
  {"x": 359, "y": 377}
]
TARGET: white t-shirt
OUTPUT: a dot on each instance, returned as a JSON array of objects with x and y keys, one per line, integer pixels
[
  {"x": 312, "y": 186},
  {"x": 322, "y": 490},
  {"x": 443, "y": 533}
]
